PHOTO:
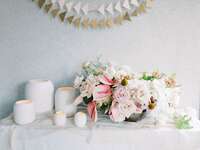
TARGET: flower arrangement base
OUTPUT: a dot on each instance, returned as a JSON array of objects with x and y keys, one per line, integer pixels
[{"x": 136, "y": 117}]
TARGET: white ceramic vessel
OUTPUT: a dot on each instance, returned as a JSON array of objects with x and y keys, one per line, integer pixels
[
  {"x": 64, "y": 98},
  {"x": 60, "y": 119},
  {"x": 24, "y": 112},
  {"x": 41, "y": 92}
]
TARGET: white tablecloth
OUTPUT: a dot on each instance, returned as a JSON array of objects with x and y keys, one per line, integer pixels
[{"x": 42, "y": 135}]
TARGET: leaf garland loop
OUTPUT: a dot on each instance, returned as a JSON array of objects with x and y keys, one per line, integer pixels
[{"x": 85, "y": 21}]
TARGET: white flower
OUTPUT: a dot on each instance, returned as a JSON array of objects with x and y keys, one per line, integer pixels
[
  {"x": 122, "y": 72},
  {"x": 158, "y": 91},
  {"x": 167, "y": 97},
  {"x": 86, "y": 90},
  {"x": 139, "y": 91},
  {"x": 78, "y": 81},
  {"x": 92, "y": 80},
  {"x": 173, "y": 96},
  {"x": 88, "y": 86}
]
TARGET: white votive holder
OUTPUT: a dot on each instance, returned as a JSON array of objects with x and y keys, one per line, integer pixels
[
  {"x": 60, "y": 119},
  {"x": 80, "y": 119},
  {"x": 24, "y": 112}
]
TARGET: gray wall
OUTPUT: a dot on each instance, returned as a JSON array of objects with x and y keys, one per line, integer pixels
[{"x": 32, "y": 45}]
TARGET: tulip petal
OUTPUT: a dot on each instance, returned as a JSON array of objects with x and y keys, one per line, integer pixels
[
  {"x": 101, "y": 91},
  {"x": 92, "y": 111}
]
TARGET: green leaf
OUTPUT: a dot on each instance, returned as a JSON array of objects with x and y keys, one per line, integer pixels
[
  {"x": 147, "y": 78},
  {"x": 87, "y": 100},
  {"x": 182, "y": 122},
  {"x": 105, "y": 106}
]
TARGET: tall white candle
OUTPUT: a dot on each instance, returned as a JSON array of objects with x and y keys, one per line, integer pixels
[
  {"x": 41, "y": 92},
  {"x": 60, "y": 119},
  {"x": 64, "y": 98},
  {"x": 24, "y": 112}
]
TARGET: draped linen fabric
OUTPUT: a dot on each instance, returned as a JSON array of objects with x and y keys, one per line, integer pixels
[{"x": 104, "y": 135}]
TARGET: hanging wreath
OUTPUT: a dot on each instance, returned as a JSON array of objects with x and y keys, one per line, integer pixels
[{"x": 94, "y": 14}]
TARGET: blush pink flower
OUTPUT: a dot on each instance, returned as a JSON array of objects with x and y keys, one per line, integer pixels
[
  {"x": 101, "y": 92},
  {"x": 120, "y": 111},
  {"x": 121, "y": 94},
  {"x": 115, "y": 114},
  {"x": 92, "y": 111}
]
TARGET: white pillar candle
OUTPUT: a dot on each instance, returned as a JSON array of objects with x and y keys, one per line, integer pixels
[
  {"x": 41, "y": 92},
  {"x": 24, "y": 112},
  {"x": 80, "y": 119},
  {"x": 60, "y": 119},
  {"x": 64, "y": 98}
]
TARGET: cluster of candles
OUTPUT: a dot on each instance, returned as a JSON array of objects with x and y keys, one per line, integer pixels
[
  {"x": 40, "y": 99},
  {"x": 80, "y": 119}
]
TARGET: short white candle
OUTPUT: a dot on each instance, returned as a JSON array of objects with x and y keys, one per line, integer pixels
[
  {"x": 24, "y": 112},
  {"x": 80, "y": 119},
  {"x": 60, "y": 119}
]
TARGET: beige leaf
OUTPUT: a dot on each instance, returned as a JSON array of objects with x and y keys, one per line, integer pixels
[
  {"x": 54, "y": 12},
  {"x": 109, "y": 23},
  {"x": 47, "y": 7},
  {"x": 85, "y": 23},
  {"x": 41, "y": 3},
  {"x": 134, "y": 13},
  {"x": 127, "y": 17},
  {"x": 62, "y": 16},
  {"x": 118, "y": 20},
  {"x": 101, "y": 23},
  {"x": 77, "y": 22},
  {"x": 141, "y": 9},
  {"x": 70, "y": 19},
  {"x": 149, "y": 3},
  {"x": 93, "y": 23}
]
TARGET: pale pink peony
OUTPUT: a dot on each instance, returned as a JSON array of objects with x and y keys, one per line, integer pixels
[
  {"x": 92, "y": 111},
  {"x": 101, "y": 92},
  {"x": 121, "y": 94},
  {"x": 115, "y": 114},
  {"x": 120, "y": 111}
]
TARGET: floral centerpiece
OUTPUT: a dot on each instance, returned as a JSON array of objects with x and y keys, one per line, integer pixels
[{"x": 120, "y": 93}]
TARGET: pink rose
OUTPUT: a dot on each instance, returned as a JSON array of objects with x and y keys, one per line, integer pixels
[
  {"x": 121, "y": 94},
  {"x": 92, "y": 111},
  {"x": 101, "y": 92}
]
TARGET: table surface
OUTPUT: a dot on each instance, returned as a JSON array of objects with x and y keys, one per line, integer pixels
[{"x": 143, "y": 135}]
